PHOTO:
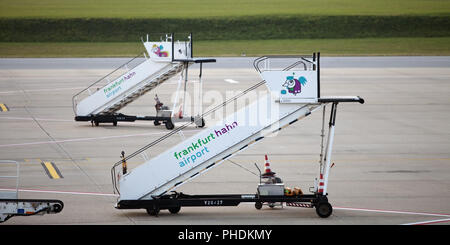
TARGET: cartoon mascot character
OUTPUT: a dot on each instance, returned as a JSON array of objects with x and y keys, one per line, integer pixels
[
  {"x": 157, "y": 50},
  {"x": 294, "y": 86}
]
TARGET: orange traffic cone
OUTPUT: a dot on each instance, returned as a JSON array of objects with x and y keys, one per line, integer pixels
[
  {"x": 180, "y": 112},
  {"x": 267, "y": 171},
  {"x": 321, "y": 184}
]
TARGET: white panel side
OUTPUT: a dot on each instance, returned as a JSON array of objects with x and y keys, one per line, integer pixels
[
  {"x": 292, "y": 86},
  {"x": 99, "y": 100},
  {"x": 301, "y": 112},
  {"x": 159, "y": 51},
  {"x": 162, "y": 51},
  {"x": 203, "y": 148},
  {"x": 182, "y": 50}
]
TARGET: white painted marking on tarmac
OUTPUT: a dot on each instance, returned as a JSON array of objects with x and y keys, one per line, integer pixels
[
  {"x": 39, "y": 90},
  {"x": 230, "y": 81},
  {"x": 62, "y": 192},
  {"x": 429, "y": 222},
  {"x": 341, "y": 208},
  {"x": 176, "y": 82},
  {"x": 83, "y": 139},
  {"x": 38, "y": 119},
  {"x": 391, "y": 211}
]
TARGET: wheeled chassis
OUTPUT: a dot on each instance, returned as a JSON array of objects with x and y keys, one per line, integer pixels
[
  {"x": 119, "y": 117},
  {"x": 173, "y": 202},
  {"x": 11, "y": 205},
  {"x": 46, "y": 206}
]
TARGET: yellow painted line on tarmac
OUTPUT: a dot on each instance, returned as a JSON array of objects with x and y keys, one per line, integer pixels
[
  {"x": 51, "y": 170},
  {"x": 3, "y": 107}
]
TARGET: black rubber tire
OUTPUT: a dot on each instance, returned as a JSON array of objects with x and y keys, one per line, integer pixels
[
  {"x": 156, "y": 123},
  {"x": 153, "y": 211},
  {"x": 96, "y": 123},
  {"x": 57, "y": 208},
  {"x": 324, "y": 209},
  {"x": 202, "y": 124},
  {"x": 169, "y": 125},
  {"x": 258, "y": 205},
  {"x": 175, "y": 210},
  {"x": 115, "y": 124}
]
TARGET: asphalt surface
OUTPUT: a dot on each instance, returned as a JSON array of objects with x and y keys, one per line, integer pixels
[
  {"x": 232, "y": 62},
  {"x": 391, "y": 154}
]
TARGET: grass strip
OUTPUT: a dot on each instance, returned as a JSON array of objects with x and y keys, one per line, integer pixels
[
  {"x": 327, "y": 47},
  {"x": 242, "y": 28}
]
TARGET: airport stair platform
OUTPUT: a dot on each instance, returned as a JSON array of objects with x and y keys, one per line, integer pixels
[
  {"x": 106, "y": 96},
  {"x": 293, "y": 93}
]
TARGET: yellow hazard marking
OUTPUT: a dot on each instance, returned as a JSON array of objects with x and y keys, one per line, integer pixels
[
  {"x": 51, "y": 170},
  {"x": 3, "y": 107}
]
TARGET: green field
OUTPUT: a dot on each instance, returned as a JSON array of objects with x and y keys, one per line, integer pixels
[
  {"x": 328, "y": 47},
  {"x": 86, "y": 28},
  {"x": 215, "y": 8}
]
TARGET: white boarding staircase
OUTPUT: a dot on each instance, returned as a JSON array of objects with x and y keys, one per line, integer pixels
[
  {"x": 113, "y": 92},
  {"x": 294, "y": 94}
]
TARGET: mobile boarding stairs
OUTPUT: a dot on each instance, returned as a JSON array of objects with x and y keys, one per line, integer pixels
[
  {"x": 294, "y": 94},
  {"x": 11, "y": 205},
  {"x": 101, "y": 101}
]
